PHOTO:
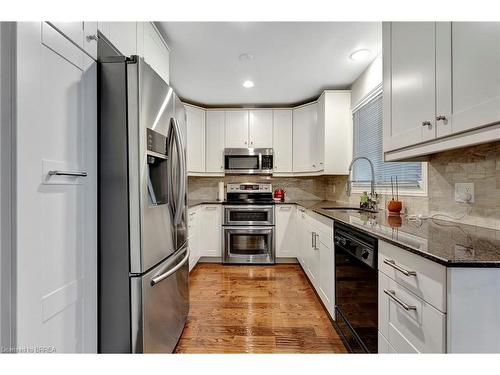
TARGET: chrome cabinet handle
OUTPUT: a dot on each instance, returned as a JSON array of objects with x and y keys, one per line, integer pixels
[
  {"x": 440, "y": 118},
  {"x": 312, "y": 240},
  {"x": 68, "y": 173},
  {"x": 90, "y": 38},
  {"x": 393, "y": 264},
  {"x": 392, "y": 295},
  {"x": 316, "y": 236},
  {"x": 155, "y": 280},
  {"x": 426, "y": 123}
]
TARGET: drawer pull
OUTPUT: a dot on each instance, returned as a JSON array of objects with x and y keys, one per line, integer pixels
[
  {"x": 393, "y": 264},
  {"x": 68, "y": 173},
  {"x": 392, "y": 294}
]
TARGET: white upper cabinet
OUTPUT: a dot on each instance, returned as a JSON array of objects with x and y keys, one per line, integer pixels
[
  {"x": 90, "y": 38},
  {"x": 335, "y": 131},
  {"x": 153, "y": 48},
  {"x": 440, "y": 80},
  {"x": 83, "y": 34},
  {"x": 237, "y": 129},
  {"x": 123, "y": 35},
  {"x": 468, "y": 85},
  {"x": 195, "y": 139},
  {"x": 260, "y": 133},
  {"x": 305, "y": 128},
  {"x": 215, "y": 124},
  {"x": 282, "y": 140},
  {"x": 409, "y": 90}
]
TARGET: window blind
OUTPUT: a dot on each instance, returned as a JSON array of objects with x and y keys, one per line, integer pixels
[{"x": 368, "y": 133}]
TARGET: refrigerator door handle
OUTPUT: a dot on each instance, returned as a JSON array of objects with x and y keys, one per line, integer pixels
[
  {"x": 179, "y": 206},
  {"x": 155, "y": 280}
]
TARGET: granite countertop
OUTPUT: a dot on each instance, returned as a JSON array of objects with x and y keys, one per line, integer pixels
[{"x": 448, "y": 243}]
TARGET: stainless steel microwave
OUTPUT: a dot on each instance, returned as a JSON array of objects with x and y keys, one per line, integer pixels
[{"x": 248, "y": 161}]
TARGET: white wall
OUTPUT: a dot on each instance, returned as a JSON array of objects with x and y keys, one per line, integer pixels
[{"x": 367, "y": 81}]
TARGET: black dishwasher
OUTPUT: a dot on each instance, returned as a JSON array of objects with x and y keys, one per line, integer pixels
[{"x": 356, "y": 288}]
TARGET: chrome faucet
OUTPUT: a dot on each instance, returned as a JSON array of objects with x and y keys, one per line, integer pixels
[{"x": 373, "y": 196}]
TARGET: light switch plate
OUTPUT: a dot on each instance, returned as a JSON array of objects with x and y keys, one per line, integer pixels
[{"x": 464, "y": 192}]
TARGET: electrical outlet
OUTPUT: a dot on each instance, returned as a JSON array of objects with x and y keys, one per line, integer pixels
[{"x": 464, "y": 192}]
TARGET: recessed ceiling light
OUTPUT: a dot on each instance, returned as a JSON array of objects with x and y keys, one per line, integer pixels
[
  {"x": 248, "y": 84},
  {"x": 360, "y": 54},
  {"x": 245, "y": 57}
]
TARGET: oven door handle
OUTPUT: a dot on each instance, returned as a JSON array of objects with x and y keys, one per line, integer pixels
[{"x": 246, "y": 228}]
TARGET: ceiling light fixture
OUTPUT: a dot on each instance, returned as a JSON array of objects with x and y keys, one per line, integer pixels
[
  {"x": 248, "y": 84},
  {"x": 360, "y": 54},
  {"x": 245, "y": 57}
]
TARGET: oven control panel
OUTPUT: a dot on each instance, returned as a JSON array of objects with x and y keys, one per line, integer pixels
[{"x": 248, "y": 187}]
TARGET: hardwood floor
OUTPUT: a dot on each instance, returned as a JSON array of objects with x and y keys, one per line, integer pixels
[{"x": 255, "y": 309}]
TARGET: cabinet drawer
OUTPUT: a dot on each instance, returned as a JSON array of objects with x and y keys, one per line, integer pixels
[
  {"x": 383, "y": 345},
  {"x": 425, "y": 278},
  {"x": 410, "y": 324}
]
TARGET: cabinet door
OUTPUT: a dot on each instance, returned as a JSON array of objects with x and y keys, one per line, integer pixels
[
  {"x": 327, "y": 271},
  {"x": 468, "y": 75},
  {"x": 304, "y": 138},
  {"x": 409, "y": 90},
  {"x": 261, "y": 128},
  {"x": 90, "y": 38},
  {"x": 195, "y": 139},
  {"x": 237, "y": 129},
  {"x": 210, "y": 230},
  {"x": 123, "y": 35},
  {"x": 193, "y": 236},
  {"x": 302, "y": 239},
  {"x": 56, "y": 237},
  {"x": 214, "y": 162},
  {"x": 71, "y": 30},
  {"x": 154, "y": 50},
  {"x": 285, "y": 231},
  {"x": 282, "y": 140}
]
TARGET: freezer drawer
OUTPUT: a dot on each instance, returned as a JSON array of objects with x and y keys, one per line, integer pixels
[{"x": 160, "y": 304}]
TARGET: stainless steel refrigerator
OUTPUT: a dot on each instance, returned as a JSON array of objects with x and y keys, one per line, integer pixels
[{"x": 143, "y": 253}]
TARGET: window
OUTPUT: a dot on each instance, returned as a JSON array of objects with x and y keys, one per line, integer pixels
[{"x": 367, "y": 140}]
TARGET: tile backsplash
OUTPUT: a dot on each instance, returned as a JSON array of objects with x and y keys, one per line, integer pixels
[{"x": 478, "y": 164}]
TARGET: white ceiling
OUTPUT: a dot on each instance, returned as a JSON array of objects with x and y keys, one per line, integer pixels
[{"x": 293, "y": 61}]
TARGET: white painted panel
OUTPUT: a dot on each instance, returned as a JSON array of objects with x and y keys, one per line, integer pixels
[
  {"x": 123, "y": 35},
  {"x": 429, "y": 283},
  {"x": 237, "y": 129},
  {"x": 215, "y": 121},
  {"x": 261, "y": 128},
  {"x": 421, "y": 330},
  {"x": 475, "y": 85},
  {"x": 474, "y": 310},
  {"x": 71, "y": 30},
  {"x": 195, "y": 139},
  {"x": 210, "y": 230},
  {"x": 282, "y": 140},
  {"x": 90, "y": 38},
  {"x": 305, "y": 121},
  {"x": 56, "y": 223},
  {"x": 412, "y": 72},
  {"x": 285, "y": 231}
]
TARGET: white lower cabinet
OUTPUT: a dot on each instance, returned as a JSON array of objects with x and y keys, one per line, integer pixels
[
  {"x": 316, "y": 254},
  {"x": 211, "y": 230},
  {"x": 205, "y": 230},
  {"x": 285, "y": 231},
  {"x": 193, "y": 235},
  {"x": 410, "y": 324}
]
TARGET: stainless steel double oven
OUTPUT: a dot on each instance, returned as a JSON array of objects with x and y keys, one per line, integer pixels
[{"x": 248, "y": 228}]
